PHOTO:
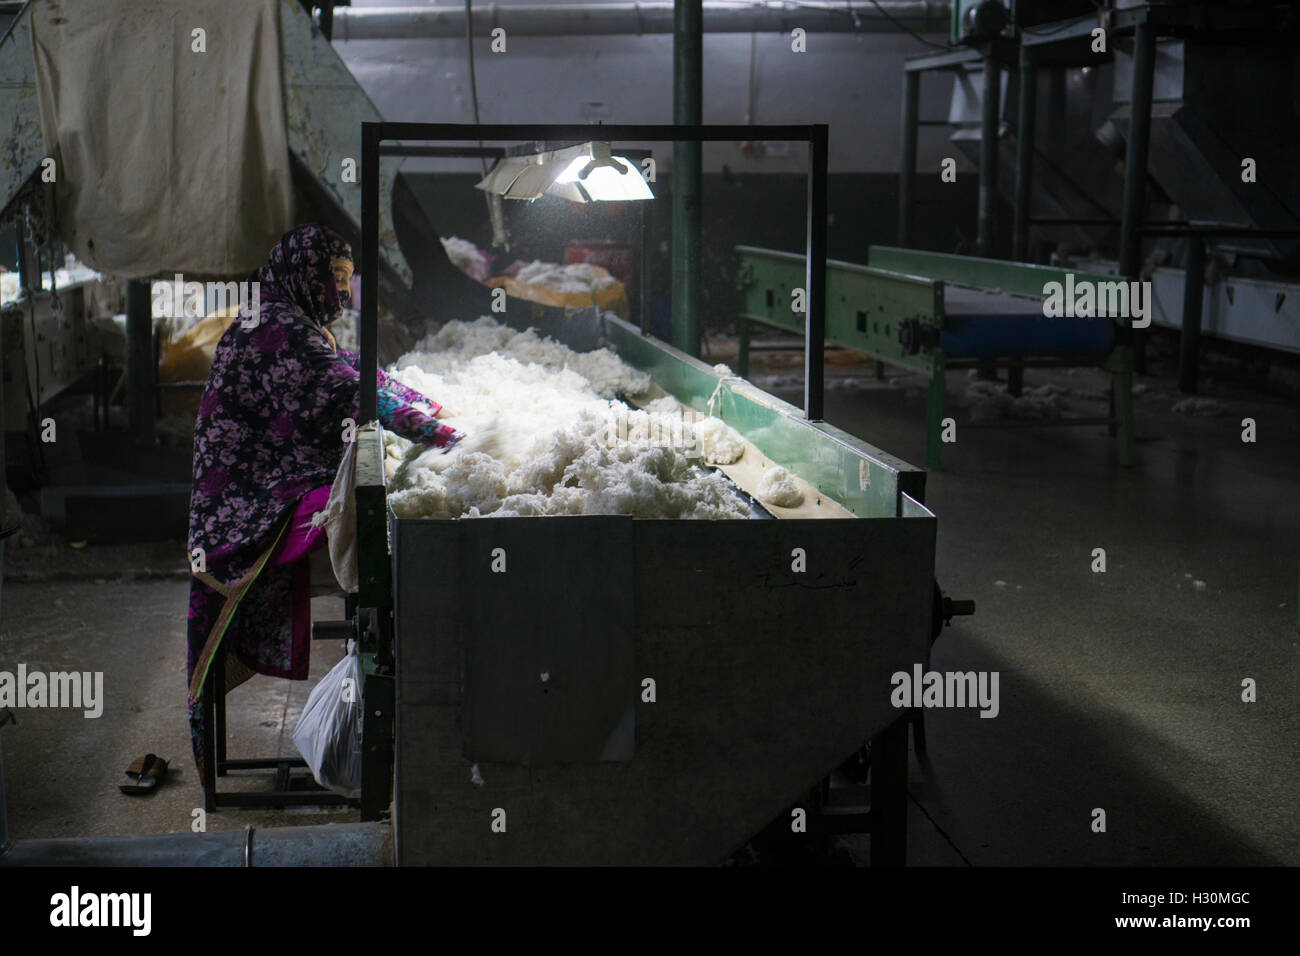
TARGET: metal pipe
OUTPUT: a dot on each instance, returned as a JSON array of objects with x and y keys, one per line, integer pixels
[
  {"x": 332, "y": 844},
  {"x": 369, "y": 274},
  {"x": 1135, "y": 169},
  {"x": 989, "y": 155},
  {"x": 1025, "y": 153},
  {"x": 647, "y": 264},
  {"x": 1189, "y": 345},
  {"x": 634, "y": 19},
  {"x": 1137, "y": 150},
  {"x": 140, "y": 366},
  {"x": 688, "y": 105},
  {"x": 907, "y": 164},
  {"x": 5, "y": 531},
  {"x": 814, "y": 396},
  {"x": 327, "y": 19}
]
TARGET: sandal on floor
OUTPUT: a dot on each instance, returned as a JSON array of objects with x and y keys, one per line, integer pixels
[{"x": 144, "y": 775}]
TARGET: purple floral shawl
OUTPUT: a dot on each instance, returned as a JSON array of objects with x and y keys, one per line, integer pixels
[{"x": 270, "y": 429}]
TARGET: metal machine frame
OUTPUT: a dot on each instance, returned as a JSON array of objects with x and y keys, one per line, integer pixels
[
  {"x": 375, "y": 600},
  {"x": 893, "y": 309},
  {"x": 816, "y": 135},
  {"x": 1065, "y": 43}
]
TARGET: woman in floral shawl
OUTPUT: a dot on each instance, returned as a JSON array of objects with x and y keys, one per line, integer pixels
[{"x": 267, "y": 444}]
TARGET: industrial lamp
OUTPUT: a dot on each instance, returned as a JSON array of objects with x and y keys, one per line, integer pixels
[{"x": 584, "y": 173}]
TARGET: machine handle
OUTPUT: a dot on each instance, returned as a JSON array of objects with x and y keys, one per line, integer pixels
[
  {"x": 953, "y": 608},
  {"x": 944, "y": 610}
]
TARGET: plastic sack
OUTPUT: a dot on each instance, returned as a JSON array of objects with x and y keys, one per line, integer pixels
[
  {"x": 189, "y": 359},
  {"x": 328, "y": 734}
]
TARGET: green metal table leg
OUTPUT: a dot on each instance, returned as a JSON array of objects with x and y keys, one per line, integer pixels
[
  {"x": 1121, "y": 378},
  {"x": 934, "y": 416}
]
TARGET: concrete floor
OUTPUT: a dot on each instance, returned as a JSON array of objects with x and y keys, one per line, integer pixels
[
  {"x": 1122, "y": 690},
  {"x": 1119, "y": 691},
  {"x": 62, "y": 769}
]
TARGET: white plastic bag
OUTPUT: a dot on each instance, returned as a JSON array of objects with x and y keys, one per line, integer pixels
[{"x": 328, "y": 734}]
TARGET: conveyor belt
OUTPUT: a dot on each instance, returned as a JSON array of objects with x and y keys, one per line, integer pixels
[{"x": 993, "y": 324}]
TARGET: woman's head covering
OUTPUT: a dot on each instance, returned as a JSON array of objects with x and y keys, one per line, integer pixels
[{"x": 298, "y": 273}]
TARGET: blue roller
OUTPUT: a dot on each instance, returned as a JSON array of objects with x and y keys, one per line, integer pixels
[{"x": 992, "y": 325}]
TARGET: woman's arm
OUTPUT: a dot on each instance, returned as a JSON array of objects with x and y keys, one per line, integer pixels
[
  {"x": 412, "y": 424},
  {"x": 339, "y": 384},
  {"x": 386, "y": 381}
]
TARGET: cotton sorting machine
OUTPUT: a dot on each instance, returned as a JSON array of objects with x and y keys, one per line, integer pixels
[
  {"x": 929, "y": 312},
  {"x": 604, "y": 690}
]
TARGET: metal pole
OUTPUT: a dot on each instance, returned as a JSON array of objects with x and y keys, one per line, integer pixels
[
  {"x": 1135, "y": 168},
  {"x": 1138, "y": 147},
  {"x": 989, "y": 155},
  {"x": 688, "y": 99},
  {"x": 1189, "y": 345},
  {"x": 814, "y": 395},
  {"x": 1025, "y": 153},
  {"x": 907, "y": 169},
  {"x": 326, "y": 20},
  {"x": 643, "y": 285},
  {"x": 369, "y": 273},
  {"x": 140, "y": 361},
  {"x": 4, "y": 532}
]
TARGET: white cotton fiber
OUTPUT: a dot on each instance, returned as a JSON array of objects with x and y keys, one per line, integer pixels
[
  {"x": 543, "y": 436},
  {"x": 777, "y": 487},
  {"x": 720, "y": 443},
  {"x": 463, "y": 253},
  {"x": 11, "y": 286},
  {"x": 459, "y": 342},
  {"x": 575, "y": 277}
]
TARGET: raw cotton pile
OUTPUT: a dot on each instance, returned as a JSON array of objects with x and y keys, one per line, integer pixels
[
  {"x": 720, "y": 443},
  {"x": 466, "y": 257},
  {"x": 575, "y": 277},
  {"x": 777, "y": 487},
  {"x": 10, "y": 286},
  {"x": 1198, "y": 406},
  {"x": 545, "y": 436},
  {"x": 458, "y": 342},
  {"x": 989, "y": 400}
]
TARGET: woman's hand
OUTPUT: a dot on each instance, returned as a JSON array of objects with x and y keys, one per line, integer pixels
[{"x": 443, "y": 413}]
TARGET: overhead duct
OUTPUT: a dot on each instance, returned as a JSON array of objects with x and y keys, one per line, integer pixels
[{"x": 635, "y": 19}]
